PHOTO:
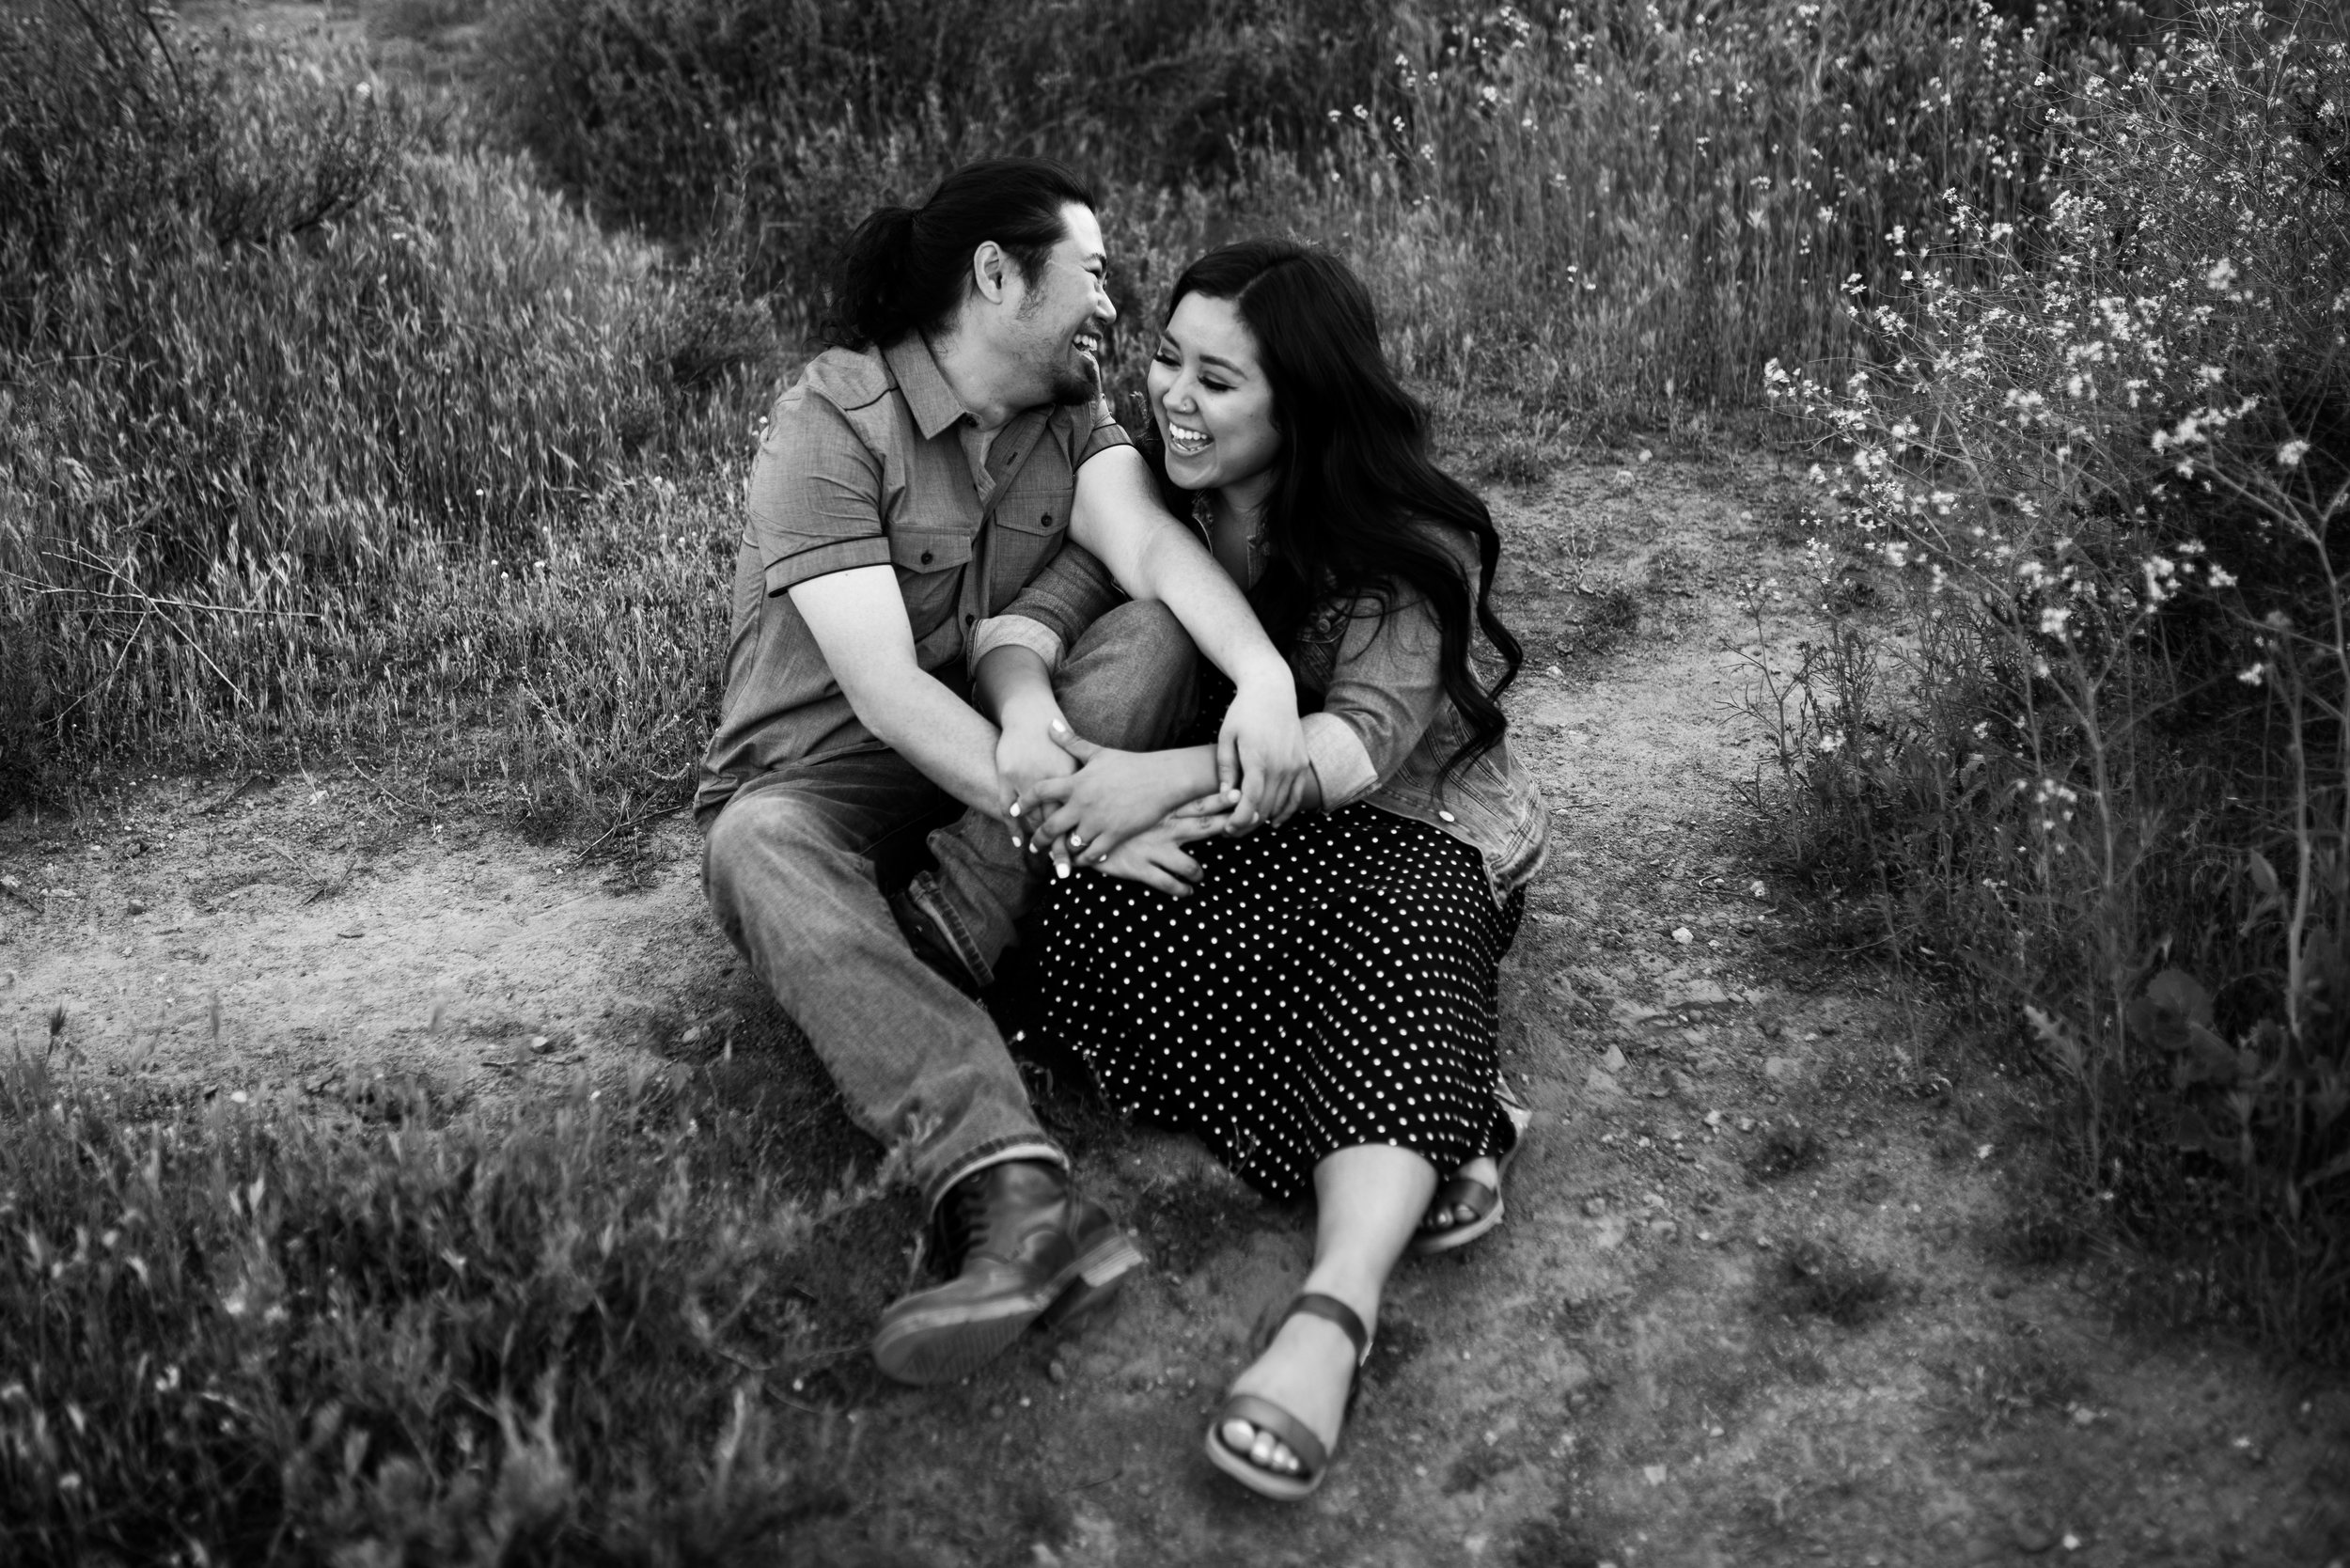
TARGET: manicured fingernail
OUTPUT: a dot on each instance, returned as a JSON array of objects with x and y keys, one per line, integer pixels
[
  {"x": 1015, "y": 809},
  {"x": 1060, "y": 869}
]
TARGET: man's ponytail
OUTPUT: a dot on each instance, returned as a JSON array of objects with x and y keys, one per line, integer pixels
[
  {"x": 869, "y": 301},
  {"x": 905, "y": 268}
]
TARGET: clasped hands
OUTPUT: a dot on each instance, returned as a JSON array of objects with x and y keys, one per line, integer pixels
[{"x": 1129, "y": 813}]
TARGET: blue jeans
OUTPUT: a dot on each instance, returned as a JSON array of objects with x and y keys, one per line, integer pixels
[{"x": 790, "y": 867}]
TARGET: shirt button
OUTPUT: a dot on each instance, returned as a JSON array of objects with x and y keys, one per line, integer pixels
[
  {"x": 1046, "y": 521},
  {"x": 1447, "y": 816},
  {"x": 926, "y": 558},
  {"x": 970, "y": 619}
]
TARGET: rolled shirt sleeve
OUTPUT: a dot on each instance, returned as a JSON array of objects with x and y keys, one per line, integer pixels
[
  {"x": 1016, "y": 631},
  {"x": 815, "y": 501},
  {"x": 1341, "y": 766},
  {"x": 1072, "y": 593},
  {"x": 1386, "y": 687}
]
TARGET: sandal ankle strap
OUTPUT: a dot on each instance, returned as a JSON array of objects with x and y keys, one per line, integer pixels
[{"x": 1331, "y": 1309}]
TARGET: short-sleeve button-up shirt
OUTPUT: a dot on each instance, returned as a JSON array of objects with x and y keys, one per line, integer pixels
[{"x": 865, "y": 463}]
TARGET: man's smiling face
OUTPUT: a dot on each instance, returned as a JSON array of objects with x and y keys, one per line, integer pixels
[{"x": 1059, "y": 321}]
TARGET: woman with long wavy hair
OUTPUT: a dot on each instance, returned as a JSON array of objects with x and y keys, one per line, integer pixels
[{"x": 1315, "y": 1000}]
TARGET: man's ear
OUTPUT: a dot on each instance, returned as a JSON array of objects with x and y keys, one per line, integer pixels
[{"x": 990, "y": 269}]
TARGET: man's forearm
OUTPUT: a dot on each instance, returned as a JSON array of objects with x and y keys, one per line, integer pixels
[
  {"x": 1012, "y": 685},
  {"x": 939, "y": 732}
]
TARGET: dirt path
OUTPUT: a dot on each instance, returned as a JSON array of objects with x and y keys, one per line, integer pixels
[{"x": 1772, "y": 1288}]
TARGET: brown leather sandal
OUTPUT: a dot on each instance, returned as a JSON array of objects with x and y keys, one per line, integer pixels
[{"x": 1312, "y": 1457}]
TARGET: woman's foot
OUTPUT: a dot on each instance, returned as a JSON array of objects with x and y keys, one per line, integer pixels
[
  {"x": 1444, "y": 1215},
  {"x": 1309, "y": 1370}
]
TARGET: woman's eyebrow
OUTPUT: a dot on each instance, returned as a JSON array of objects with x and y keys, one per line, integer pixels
[
  {"x": 1237, "y": 372},
  {"x": 1168, "y": 339}
]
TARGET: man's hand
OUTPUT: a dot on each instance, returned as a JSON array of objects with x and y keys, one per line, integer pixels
[
  {"x": 1111, "y": 796},
  {"x": 1156, "y": 856},
  {"x": 1025, "y": 757},
  {"x": 1261, "y": 748}
]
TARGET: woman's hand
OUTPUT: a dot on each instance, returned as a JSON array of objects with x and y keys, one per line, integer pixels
[
  {"x": 1025, "y": 757},
  {"x": 1156, "y": 856},
  {"x": 1261, "y": 748},
  {"x": 1111, "y": 796}
]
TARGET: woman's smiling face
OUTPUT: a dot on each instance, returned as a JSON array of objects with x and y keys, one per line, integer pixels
[{"x": 1213, "y": 403}]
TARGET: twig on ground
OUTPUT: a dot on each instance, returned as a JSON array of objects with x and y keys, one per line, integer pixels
[
  {"x": 251, "y": 784},
  {"x": 628, "y": 824},
  {"x": 387, "y": 792}
]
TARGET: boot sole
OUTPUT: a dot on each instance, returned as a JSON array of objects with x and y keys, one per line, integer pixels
[{"x": 955, "y": 1341}]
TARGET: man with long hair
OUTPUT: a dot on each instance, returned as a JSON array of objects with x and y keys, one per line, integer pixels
[{"x": 932, "y": 499}]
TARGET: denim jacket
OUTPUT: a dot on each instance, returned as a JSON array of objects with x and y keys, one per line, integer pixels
[{"x": 1382, "y": 728}]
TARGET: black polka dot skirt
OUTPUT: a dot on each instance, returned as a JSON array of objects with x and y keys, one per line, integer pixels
[{"x": 1329, "y": 982}]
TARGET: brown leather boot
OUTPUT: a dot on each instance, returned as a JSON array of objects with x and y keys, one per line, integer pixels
[{"x": 1030, "y": 1247}]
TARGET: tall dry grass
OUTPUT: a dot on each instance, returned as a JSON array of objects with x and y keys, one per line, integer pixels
[
  {"x": 1592, "y": 209},
  {"x": 292, "y": 393}
]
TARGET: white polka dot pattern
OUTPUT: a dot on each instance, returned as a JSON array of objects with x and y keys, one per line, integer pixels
[{"x": 1330, "y": 983}]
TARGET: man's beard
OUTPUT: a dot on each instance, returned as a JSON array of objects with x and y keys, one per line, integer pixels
[{"x": 1075, "y": 388}]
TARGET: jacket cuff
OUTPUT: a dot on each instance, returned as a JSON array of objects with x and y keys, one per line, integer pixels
[
  {"x": 1016, "y": 631},
  {"x": 1340, "y": 762}
]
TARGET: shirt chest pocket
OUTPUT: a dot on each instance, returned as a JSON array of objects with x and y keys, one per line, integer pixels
[
  {"x": 1026, "y": 534},
  {"x": 930, "y": 563}
]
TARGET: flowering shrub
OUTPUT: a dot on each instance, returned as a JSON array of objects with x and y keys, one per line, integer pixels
[
  {"x": 2103, "y": 480},
  {"x": 1654, "y": 201}
]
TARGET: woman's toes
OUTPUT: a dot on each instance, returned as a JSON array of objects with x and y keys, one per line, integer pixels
[{"x": 1264, "y": 1451}]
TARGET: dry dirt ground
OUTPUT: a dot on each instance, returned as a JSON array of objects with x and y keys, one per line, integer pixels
[{"x": 1780, "y": 1282}]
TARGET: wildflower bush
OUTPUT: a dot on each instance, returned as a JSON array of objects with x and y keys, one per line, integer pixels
[
  {"x": 291, "y": 387},
  {"x": 1611, "y": 208},
  {"x": 237, "y": 1334},
  {"x": 2088, "y": 749}
]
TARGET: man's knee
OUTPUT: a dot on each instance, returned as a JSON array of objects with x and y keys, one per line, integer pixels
[
  {"x": 1128, "y": 682},
  {"x": 1142, "y": 632},
  {"x": 759, "y": 847}
]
